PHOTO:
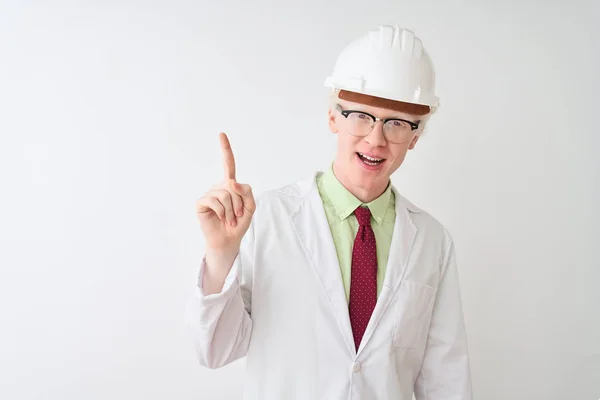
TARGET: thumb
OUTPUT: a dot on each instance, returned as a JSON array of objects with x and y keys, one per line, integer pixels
[
  {"x": 245, "y": 191},
  {"x": 237, "y": 187}
]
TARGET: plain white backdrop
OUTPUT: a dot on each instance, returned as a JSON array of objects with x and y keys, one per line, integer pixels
[{"x": 109, "y": 116}]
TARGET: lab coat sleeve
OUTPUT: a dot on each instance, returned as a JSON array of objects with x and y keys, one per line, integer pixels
[
  {"x": 220, "y": 323},
  {"x": 445, "y": 373}
]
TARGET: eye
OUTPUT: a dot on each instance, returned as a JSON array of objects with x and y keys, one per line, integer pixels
[
  {"x": 400, "y": 124},
  {"x": 363, "y": 116}
]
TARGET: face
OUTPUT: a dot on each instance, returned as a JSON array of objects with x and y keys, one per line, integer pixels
[{"x": 366, "y": 181}]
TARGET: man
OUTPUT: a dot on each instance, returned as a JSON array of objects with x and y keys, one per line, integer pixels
[{"x": 337, "y": 287}]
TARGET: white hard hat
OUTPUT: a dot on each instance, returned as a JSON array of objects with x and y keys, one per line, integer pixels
[{"x": 390, "y": 63}]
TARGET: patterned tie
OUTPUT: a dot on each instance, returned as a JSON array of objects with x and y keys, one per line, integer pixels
[{"x": 363, "y": 278}]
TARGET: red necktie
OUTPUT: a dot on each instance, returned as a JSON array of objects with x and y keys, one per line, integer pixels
[{"x": 363, "y": 276}]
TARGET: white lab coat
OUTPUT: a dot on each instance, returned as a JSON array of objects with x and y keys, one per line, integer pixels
[{"x": 283, "y": 306}]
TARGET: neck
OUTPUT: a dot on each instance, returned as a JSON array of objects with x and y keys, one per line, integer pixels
[{"x": 365, "y": 195}]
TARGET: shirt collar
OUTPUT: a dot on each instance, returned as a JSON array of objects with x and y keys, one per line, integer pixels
[{"x": 345, "y": 202}]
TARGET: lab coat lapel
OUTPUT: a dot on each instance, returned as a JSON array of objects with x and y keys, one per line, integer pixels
[
  {"x": 403, "y": 238},
  {"x": 312, "y": 228}
]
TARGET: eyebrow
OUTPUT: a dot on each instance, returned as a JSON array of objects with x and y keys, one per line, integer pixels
[{"x": 393, "y": 117}]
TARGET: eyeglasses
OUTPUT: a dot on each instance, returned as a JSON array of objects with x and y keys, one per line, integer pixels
[{"x": 395, "y": 130}]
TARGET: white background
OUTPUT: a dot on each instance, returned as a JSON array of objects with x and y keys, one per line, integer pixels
[{"x": 109, "y": 115}]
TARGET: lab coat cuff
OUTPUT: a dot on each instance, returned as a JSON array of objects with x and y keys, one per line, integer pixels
[{"x": 229, "y": 287}]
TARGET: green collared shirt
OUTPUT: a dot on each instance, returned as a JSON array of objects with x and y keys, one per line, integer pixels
[{"x": 339, "y": 206}]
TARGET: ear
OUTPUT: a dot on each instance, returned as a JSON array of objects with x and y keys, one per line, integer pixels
[
  {"x": 413, "y": 142},
  {"x": 331, "y": 118}
]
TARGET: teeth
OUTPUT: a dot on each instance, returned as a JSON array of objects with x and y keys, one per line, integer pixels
[{"x": 370, "y": 158}]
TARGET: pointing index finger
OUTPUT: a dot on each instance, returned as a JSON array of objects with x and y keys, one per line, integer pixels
[{"x": 228, "y": 159}]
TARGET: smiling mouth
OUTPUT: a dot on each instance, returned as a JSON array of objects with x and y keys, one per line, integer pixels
[{"x": 370, "y": 160}]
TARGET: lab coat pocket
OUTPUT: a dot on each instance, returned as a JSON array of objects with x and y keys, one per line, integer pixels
[{"x": 414, "y": 306}]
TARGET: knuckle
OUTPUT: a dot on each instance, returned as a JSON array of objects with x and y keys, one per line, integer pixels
[
  {"x": 223, "y": 195},
  {"x": 203, "y": 202}
]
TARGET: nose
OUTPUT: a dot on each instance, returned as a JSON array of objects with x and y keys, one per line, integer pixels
[{"x": 376, "y": 138}]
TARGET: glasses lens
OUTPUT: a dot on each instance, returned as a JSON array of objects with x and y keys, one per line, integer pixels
[
  {"x": 359, "y": 124},
  {"x": 397, "y": 131}
]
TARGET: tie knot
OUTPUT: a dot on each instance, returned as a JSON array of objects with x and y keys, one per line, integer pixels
[{"x": 363, "y": 216}]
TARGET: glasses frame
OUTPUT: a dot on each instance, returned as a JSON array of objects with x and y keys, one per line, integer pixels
[{"x": 346, "y": 113}]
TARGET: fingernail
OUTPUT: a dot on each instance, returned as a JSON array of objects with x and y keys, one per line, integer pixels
[
  {"x": 240, "y": 213},
  {"x": 233, "y": 223}
]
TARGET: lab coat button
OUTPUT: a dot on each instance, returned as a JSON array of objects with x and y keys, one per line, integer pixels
[{"x": 356, "y": 367}]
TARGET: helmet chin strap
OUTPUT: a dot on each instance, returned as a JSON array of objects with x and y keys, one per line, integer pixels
[{"x": 408, "y": 108}]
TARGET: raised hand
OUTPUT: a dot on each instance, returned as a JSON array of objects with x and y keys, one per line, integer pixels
[{"x": 226, "y": 210}]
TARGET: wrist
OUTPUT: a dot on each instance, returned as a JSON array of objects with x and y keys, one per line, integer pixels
[{"x": 220, "y": 259}]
